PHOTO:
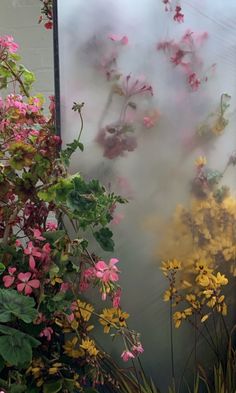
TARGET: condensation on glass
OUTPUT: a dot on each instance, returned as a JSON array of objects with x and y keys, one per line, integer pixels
[{"x": 145, "y": 102}]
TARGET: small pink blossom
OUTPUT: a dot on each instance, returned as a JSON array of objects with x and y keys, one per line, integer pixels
[
  {"x": 193, "y": 81},
  {"x": 137, "y": 349},
  {"x": 127, "y": 355},
  {"x": 51, "y": 226},
  {"x": 18, "y": 243},
  {"x": 107, "y": 272},
  {"x": 48, "y": 25},
  {"x": 7, "y": 42},
  {"x": 117, "y": 38},
  {"x": 47, "y": 332},
  {"x": 9, "y": 279},
  {"x": 32, "y": 252},
  {"x": 178, "y": 17},
  {"x": 116, "y": 298},
  {"x": 26, "y": 284},
  {"x": 37, "y": 234}
]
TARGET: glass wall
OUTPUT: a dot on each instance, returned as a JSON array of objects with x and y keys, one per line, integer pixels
[{"x": 159, "y": 85}]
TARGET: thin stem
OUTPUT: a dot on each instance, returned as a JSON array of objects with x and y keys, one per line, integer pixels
[
  {"x": 17, "y": 78},
  {"x": 172, "y": 344}
]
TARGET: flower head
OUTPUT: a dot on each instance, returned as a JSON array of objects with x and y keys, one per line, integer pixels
[
  {"x": 26, "y": 285},
  {"x": 127, "y": 355}
]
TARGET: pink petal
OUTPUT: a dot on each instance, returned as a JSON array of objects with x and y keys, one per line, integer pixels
[
  {"x": 28, "y": 289},
  {"x": 101, "y": 265},
  {"x": 34, "y": 283},
  {"x": 113, "y": 261},
  {"x": 24, "y": 276},
  {"x": 20, "y": 287},
  {"x": 11, "y": 270},
  {"x": 8, "y": 281},
  {"x": 114, "y": 276},
  {"x": 32, "y": 262}
]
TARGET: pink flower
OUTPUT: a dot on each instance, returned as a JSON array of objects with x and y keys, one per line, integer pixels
[
  {"x": 6, "y": 42},
  {"x": 133, "y": 86},
  {"x": 47, "y": 332},
  {"x": 37, "y": 234},
  {"x": 117, "y": 38},
  {"x": 47, "y": 248},
  {"x": 9, "y": 279},
  {"x": 193, "y": 81},
  {"x": 137, "y": 349},
  {"x": 107, "y": 272},
  {"x": 48, "y": 25},
  {"x": 32, "y": 252},
  {"x": 179, "y": 17},
  {"x": 116, "y": 298},
  {"x": 51, "y": 226},
  {"x": 127, "y": 355},
  {"x": 18, "y": 243},
  {"x": 26, "y": 284}
]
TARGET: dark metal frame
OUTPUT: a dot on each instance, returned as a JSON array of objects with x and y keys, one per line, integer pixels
[{"x": 56, "y": 68}]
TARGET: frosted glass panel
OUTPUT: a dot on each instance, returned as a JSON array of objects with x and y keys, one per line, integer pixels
[{"x": 159, "y": 93}]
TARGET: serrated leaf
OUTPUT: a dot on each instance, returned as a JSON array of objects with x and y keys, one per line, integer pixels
[
  {"x": 15, "y": 350},
  {"x": 53, "y": 236},
  {"x": 14, "y": 305},
  {"x": 104, "y": 238}
]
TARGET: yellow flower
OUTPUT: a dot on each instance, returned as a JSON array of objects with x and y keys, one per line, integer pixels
[
  {"x": 221, "y": 279},
  {"x": 56, "y": 280},
  {"x": 89, "y": 346},
  {"x": 201, "y": 161},
  {"x": 71, "y": 349},
  {"x": 122, "y": 316},
  {"x": 108, "y": 318},
  {"x": 84, "y": 310}
]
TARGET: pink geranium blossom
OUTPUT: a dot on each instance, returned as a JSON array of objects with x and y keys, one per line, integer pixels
[
  {"x": 51, "y": 226},
  {"x": 26, "y": 285},
  {"x": 137, "y": 349},
  {"x": 9, "y": 279},
  {"x": 47, "y": 332},
  {"x": 37, "y": 234},
  {"x": 178, "y": 17},
  {"x": 7, "y": 42},
  {"x": 127, "y": 355},
  {"x": 107, "y": 272},
  {"x": 32, "y": 252}
]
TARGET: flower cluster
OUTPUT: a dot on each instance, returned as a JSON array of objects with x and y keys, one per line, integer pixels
[
  {"x": 46, "y": 14},
  {"x": 201, "y": 241},
  {"x": 176, "y": 8},
  {"x": 120, "y": 137},
  {"x": 184, "y": 55},
  {"x": 45, "y": 271}
]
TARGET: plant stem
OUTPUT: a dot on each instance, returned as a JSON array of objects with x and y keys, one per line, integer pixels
[{"x": 172, "y": 345}]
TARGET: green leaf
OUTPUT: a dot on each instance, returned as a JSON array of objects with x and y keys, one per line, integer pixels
[
  {"x": 2, "y": 268},
  {"x": 14, "y": 305},
  {"x": 16, "y": 388},
  {"x": 53, "y": 236},
  {"x": 16, "y": 350},
  {"x": 52, "y": 387},
  {"x": 104, "y": 238}
]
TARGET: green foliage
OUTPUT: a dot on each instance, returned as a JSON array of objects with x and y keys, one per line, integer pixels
[
  {"x": 14, "y": 305},
  {"x": 52, "y": 387},
  {"x": 104, "y": 238},
  {"x": 16, "y": 346}
]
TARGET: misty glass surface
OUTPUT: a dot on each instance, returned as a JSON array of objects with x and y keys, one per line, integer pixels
[{"x": 153, "y": 90}]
